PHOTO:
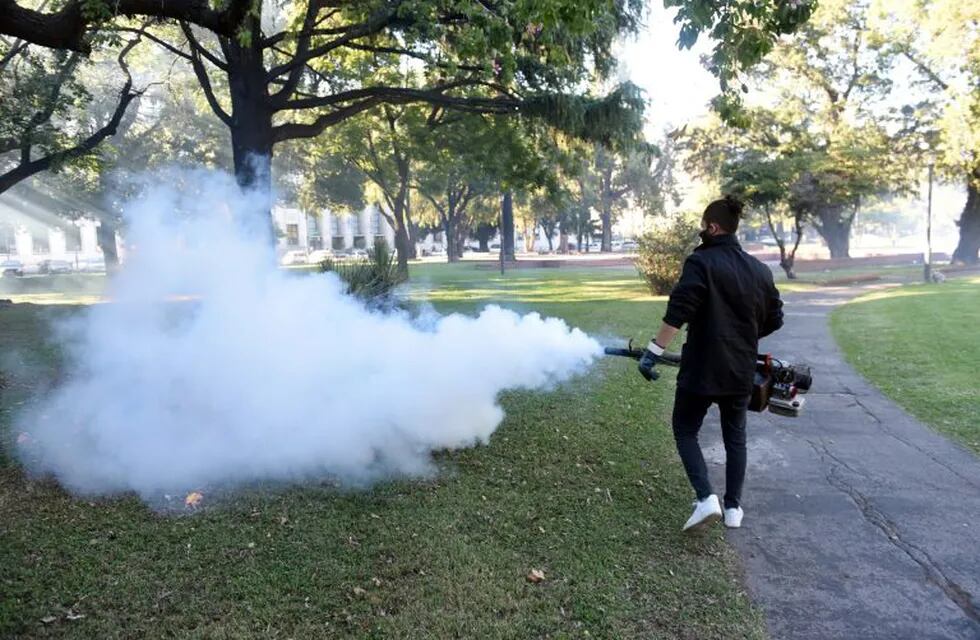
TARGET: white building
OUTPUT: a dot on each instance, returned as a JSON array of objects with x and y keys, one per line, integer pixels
[
  {"x": 31, "y": 242},
  {"x": 307, "y": 232}
]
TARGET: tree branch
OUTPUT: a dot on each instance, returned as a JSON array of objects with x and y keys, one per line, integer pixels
[
  {"x": 67, "y": 28},
  {"x": 373, "y": 25},
  {"x": 925, "y": 69},
  {"x": 28, "y": 168},
  {"x": 408, "y": 52},
  {"x": 293, "y": 130},
  {"x": 201, "y": 49},
  {"x": 302, "y": 47},
  {"x": 15, "y": 49},
  {"x": 205, "y": 81},
  {"x": 163, "y": 43},
  {"x": 404, "y": 95}
]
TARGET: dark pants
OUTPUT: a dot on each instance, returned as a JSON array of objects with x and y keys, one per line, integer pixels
[{"x": 689, "y": 411}]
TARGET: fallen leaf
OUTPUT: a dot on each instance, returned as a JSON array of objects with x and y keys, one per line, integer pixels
[
  {"x": 535, "y": 576},
  {"x": 71, "y": 615},
  {"x": 193, "y": 499},
  {"x": 48, "y": 619},
  {"x": 359, "y": 592}
]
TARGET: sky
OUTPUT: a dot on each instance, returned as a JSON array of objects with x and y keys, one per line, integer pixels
[{"x": 677, "y": 85}]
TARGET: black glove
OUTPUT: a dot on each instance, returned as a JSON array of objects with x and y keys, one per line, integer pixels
[{"x": 648, "y": 361}]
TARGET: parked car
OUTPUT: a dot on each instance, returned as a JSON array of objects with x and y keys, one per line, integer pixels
[
  {"x": 91, "y": 265},
  {"x": 630, "y": 246},
  {"x": 11, "y": 268},
  {"x": 318, "y": 256},
  {"x": 297, "y": 256},
  {"x": 54, "y": 266}
]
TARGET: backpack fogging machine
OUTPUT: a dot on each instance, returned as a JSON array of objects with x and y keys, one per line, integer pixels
[{"x": 778, "y": 385}]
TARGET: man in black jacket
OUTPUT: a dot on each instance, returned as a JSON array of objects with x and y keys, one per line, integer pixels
[{"x": 729, "y": 301}]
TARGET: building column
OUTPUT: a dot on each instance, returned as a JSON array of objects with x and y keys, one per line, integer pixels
[
  {"x": 365, "y": 218},
  {"x": 89, "y": 237},
  {"x": 56, "y": 243},
  {"x": 24, "y": 242},
  {"x": 326, "y": 230},
  {"x": 347, "y": 224},
  {"x": 389, "y": 233}
]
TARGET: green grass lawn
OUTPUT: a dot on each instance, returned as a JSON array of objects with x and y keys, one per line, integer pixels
[
  {"x": 580, "y": 482},
  {"x": 919, "y": 344}
]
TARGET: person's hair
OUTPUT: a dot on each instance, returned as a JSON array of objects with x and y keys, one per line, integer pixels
[{"x": 725, "y": 213}]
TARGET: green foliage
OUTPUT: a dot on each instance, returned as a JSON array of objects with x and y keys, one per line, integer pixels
[
  {"x": 663, "y": 251},
  {"x": 374, "y": 279},
  {"x": 41, "y": 99},
  {"x": 615, "y": 120},
  {"x": 743, "y": 32},
  {"x": 938, "y": 42},
  {"x": 827, "y": 143},
  {"x": 934, "y": 379}
]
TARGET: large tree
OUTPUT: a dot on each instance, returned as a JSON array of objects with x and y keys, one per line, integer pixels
[
  {"x": 274, "y": 73},
  {"x": 826, "y": 111},
  {"x": 382, "y": 147},
  {"x": 291, "y": 71},
  {"x": 620, "y": 180},
  {"x": 940, "y": 44},
  {"x": 461, "y": 164}
]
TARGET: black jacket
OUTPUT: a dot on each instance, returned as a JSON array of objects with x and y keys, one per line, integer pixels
[{"x": 729, "y": 301}]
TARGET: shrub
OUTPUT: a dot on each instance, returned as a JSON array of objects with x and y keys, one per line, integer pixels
[
  {"x": 662, "y": 252},
  {"x": 373, "y": 279}
]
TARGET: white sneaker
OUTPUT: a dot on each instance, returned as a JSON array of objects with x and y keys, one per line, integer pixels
[
  {"x": 706, "y": 512},
  {"x": 733, "y": 517}
]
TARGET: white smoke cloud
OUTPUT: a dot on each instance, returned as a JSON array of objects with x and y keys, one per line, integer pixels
[{"x": 212, "y": 367}]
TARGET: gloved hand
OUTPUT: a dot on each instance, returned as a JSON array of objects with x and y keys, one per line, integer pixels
[{"x": 648, "y": 361}]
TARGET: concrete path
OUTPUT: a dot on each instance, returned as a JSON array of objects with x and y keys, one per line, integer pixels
[{"x": 860, "y": 522}]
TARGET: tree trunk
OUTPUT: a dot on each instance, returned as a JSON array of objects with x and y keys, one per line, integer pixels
[
  {"x": 251, "y": 117},
  {"x": 105, "y": 235},
  {"x": 786, "y": 259},
  {"x": 410, "y": 225},
  {"x": 449, "y": 229},
  {"x": 606, "y": 217},
  {"x": 507, "y": 221},
  {"x": 402, "y": 248},
  {"x": 529, "y": 239},
  {"x": 835, "y": 228},
  {"x": 251, "y": 123},
  {"x": 483, "y": 233},
  {"x": 562, "y": 241},
  {"x": 969, "y": 245},
  {"x": 462, "y": 233}
]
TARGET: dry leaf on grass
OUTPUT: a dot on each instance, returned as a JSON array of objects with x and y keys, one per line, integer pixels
[
  {"x": 193, "y": 499},
  {"x": 535, "y": 576}
]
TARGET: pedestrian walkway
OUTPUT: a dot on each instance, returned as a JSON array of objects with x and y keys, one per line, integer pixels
[{"x": 860, "y": 522}]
